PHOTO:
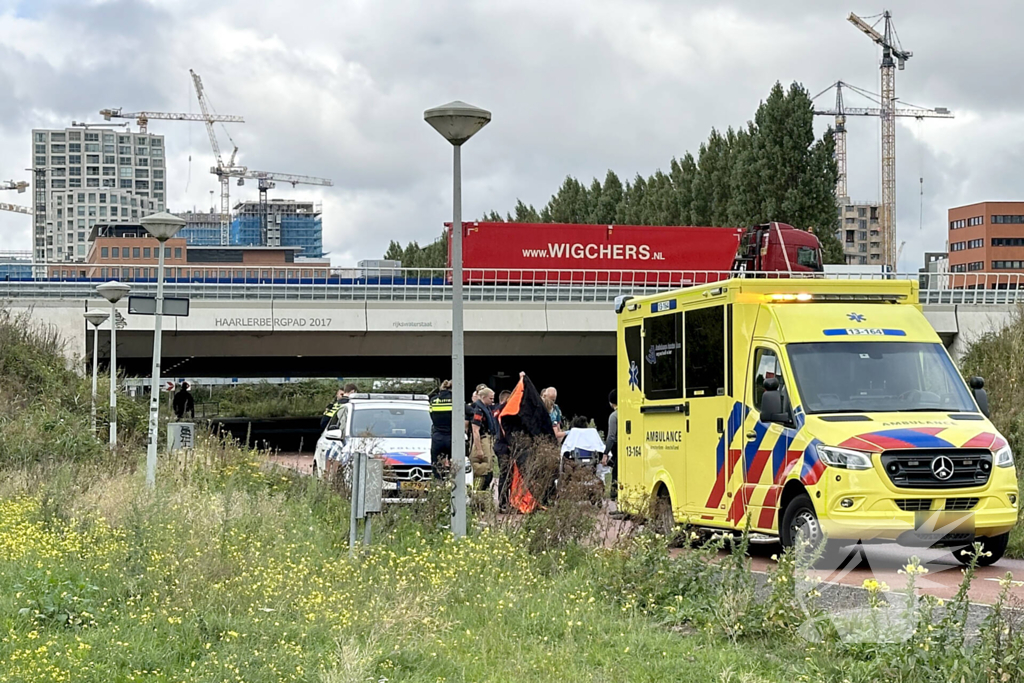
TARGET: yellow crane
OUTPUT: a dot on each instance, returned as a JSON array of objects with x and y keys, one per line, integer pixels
[{"x": 893, "y": 57}]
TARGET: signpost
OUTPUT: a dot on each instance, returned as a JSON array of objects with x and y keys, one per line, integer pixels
[{"x": 146, "y": 305}]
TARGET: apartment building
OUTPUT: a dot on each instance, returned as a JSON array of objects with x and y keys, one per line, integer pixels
[
  {"x": 201, "y": 228},
  {"x": 987, "y": 237},
  {"x": 86, "y": 176},
  {"x": 860, "y": 231}
]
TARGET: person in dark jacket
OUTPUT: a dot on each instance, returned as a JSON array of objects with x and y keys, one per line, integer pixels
[
  {"x": 340, "y": 399},
  {"x": 441, "y": 428},
  {"x": 184, "y": 404}
]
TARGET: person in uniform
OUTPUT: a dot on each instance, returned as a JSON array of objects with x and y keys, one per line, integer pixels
[
  {"x": 441, "y": 428},
  {"x": 484, "y": 428}
]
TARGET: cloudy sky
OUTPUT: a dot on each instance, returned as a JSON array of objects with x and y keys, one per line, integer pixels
[{"x": 338, "y": 89}]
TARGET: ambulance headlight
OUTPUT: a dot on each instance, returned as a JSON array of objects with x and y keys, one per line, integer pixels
[
  {"x": 844, "y": 458},
  {"x": 1004, "y": 457}
]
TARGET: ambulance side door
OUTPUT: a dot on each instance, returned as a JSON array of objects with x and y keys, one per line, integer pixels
[
  {"x": 766, "y": 449},
  {"x": 664, "y": 407},
  {"x": 633, "y": 483},
  {"x": 708, "y": 398}
]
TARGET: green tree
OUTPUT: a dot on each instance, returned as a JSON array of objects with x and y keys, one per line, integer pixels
[{"x": 771, "y": 169}]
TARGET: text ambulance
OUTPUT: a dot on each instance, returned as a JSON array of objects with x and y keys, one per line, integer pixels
[{"x": 807, "y": 406}]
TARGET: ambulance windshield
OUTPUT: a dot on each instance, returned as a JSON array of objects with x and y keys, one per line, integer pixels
[{"x": 863, "y": 377}]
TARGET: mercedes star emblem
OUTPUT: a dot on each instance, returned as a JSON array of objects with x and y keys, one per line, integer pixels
[{"x": 942, "y": 468}]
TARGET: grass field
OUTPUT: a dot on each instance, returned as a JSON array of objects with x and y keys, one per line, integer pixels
[{"x": 232, "y": 571}]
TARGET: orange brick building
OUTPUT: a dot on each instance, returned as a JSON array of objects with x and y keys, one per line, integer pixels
[
  {"x": 126, "y": 252},
  {"x": 987, "y": 237}
]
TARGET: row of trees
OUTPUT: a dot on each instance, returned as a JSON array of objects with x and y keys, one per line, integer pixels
[{"x": 773, "y": 169}]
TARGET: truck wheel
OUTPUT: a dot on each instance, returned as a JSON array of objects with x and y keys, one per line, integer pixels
[
  {"x": 800, "y": 523},
  {"x": 995, "y": 546}
]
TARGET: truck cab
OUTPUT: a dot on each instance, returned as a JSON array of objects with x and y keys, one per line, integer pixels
[
  {"x": 778, "y": 247},
  {"x": 827, "y": 408}
]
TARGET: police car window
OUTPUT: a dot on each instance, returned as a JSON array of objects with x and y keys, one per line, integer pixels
[
  {"x": 663, "y": 356},
  {"x": 766, "y": 365},
  {"x": 390, "y": 423},
  {"x": 705, "y": 352}
]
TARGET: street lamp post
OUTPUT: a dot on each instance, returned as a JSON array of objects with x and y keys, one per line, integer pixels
[
  {"x": 96, "y": 318},
  {"x": 113, "y": 292},
  {"x": 457, "y": 122},
  {"x": 162, "y": 226}
]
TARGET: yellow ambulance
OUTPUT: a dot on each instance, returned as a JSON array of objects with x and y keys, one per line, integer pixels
[{"x": 821, "y": 407}]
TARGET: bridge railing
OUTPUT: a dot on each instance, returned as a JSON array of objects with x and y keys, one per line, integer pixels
[{"x": 492, "y": 285}]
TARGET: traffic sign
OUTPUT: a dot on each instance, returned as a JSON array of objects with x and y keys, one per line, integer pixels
[
  {"x": 146, "y": 305},
  {"x": 168, "y": 386}
]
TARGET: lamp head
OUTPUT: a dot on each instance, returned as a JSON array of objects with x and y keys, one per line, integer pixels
[
  {"x": 113, "y": 291},
  {"x": 457, "y": 121},
  {"x": 163, "y": 225},
  {"x": 96, "y": 317}
]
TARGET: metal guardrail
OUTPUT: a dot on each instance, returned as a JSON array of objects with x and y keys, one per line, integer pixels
[{"x": 503, "y": 286}]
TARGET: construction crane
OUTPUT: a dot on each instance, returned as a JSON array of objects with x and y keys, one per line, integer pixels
[
  {"x": 226, "y": 171},
  {"x": 840, "y": 112},
  {"x": 15, "y": 208},
  {"x": 20, "y": 186},
  {"x": 893, "y": 57},
  {"x": 143, "y": 117},
  {"x": 221, "y": 170}
]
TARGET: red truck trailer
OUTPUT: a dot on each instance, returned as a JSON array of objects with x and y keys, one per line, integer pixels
[{"x": 677, "y": 255}]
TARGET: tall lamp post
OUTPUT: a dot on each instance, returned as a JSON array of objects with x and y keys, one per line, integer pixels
[
  {"x": 163, "y": 227},
  {"x": 113, "y": 292},
  {"x": 457, "y": 122},
  {"x": 96, "y": 318}
]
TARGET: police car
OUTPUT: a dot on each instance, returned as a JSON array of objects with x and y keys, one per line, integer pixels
[{"x": 395, "y": 427}]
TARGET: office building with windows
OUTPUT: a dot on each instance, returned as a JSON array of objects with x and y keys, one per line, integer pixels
[
  {"x": 860, "y": 231},
  {"x": 86, "y": 176},
  {"x": 290, "y": 223},
  {"x": 987, "y": 237}
]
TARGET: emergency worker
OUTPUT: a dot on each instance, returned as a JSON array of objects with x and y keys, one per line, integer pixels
[
  {"x": 340, "y": 399},
  {"x": 441, "y": 428},
  {"x": 485, "y": 428}
]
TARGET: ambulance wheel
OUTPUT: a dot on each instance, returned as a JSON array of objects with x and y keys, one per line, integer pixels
[
  {"x": 994, "y": 546},
  {"x": 664, "y": 522},
  {"x": 800, "y": 523}
]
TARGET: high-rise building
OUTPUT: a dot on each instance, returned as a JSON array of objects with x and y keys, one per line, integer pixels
[
  {"x": 860, "y": 231},
  {"x": 85, "y": 176},
  {"x": 201, "y": 229},
  {"x": 290, "y": 223},
  {"x": 987, "y": 237}
]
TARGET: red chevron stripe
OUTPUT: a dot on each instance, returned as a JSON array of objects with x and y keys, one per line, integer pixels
[
  {"x": 767, "y": 518},
  {"x": 792, "y": 457},
  {"x": 719, "y": 488},
  {"x": 815, "y": 474},
  {"x": 757, "y": 467},
  {"x": 983, "y": 440}
]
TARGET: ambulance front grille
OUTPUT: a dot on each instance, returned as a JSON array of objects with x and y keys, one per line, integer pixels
[
  {"x": 913, "y": 469},
  {"x": 960, "y": 504},
  {"x": 914, "y": 504}
]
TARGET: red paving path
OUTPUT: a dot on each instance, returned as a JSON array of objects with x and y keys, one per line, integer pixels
[{"x": 880, "y": 562}]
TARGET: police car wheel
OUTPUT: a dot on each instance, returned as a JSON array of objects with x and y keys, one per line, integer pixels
[
  {"x": 316, "y": 469},
  {"x": 994, "y": 546},
  {"x": 800, "y": 523}
]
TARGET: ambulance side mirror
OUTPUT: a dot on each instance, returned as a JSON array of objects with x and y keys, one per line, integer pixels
[
  {"x": 771, "y": 403},
  {"x": 980, "y": 395}
]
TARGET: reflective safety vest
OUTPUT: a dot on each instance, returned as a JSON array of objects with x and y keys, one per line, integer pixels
[
  {"x": 441, "y": 411},
  {"x": 333, "y": 409}
]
